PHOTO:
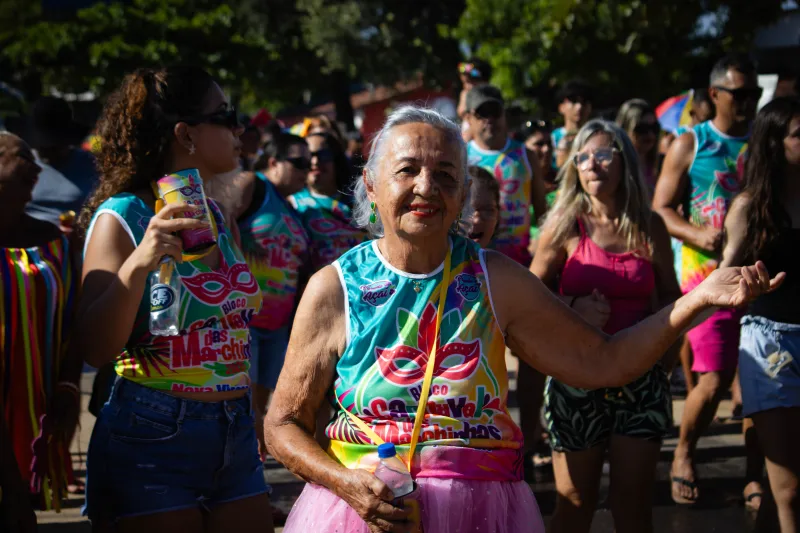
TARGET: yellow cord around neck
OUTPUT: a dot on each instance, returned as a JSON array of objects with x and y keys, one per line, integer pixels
[{"x": 426, "y": 382}]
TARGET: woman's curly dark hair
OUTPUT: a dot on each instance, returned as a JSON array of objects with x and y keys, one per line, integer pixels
[
  {"x": 136, "y": 129},
  {"x": 765, "y": 176}
]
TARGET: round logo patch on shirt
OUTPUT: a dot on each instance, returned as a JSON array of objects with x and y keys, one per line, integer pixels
[
  {"x": 378, "y": 293},
  {"x": 161, "y": 297}
]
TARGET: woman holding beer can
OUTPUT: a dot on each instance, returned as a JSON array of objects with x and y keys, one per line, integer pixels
[{"x": 174, "y": 448}]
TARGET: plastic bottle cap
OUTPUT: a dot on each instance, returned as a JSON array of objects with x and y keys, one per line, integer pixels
[{"x": 386, "y": 450}]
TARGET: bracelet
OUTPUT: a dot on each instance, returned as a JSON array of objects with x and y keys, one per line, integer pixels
[{"x": 572, "y": 302}]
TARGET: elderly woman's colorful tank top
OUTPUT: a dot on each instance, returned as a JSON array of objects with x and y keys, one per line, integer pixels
[
  {"x": 276, "y": 248},
  {"x": 391, "y": 323},
  {"x": 212, "y": 353},
  {"x": 511, "y": 169},
  {"x": 328, "y": 222},
  {"x": 714, "y": 179}
]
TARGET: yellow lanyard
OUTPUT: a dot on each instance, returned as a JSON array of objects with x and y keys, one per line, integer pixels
[
  {"x": 189, "y": 257},
  {"x": 426, "y": 383}
]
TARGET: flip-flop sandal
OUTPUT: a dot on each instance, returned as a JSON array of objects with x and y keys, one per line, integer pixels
[
  {"x": 748, "y": 501},
  {"x": 680, "y": 500}
]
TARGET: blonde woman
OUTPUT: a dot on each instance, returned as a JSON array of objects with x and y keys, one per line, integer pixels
[
  {"x": 609, "y": 258},
  {"x": 638, "y": 119}
]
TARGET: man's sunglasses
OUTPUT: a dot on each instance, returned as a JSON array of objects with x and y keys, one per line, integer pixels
[
  {"x": 644, "y": 129},
  {"x": 742, "y": 94},
  {"x": 323, "y": 156},
  {"x": 300, "y": 163},
  {"x": 489, "y": 110},
  {"x": 227, "y": 118}
]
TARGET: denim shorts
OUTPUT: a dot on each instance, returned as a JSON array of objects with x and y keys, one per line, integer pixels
[
  {"x": 151, "y": 452},
  {"x": 267, "y": 353},
  {"x": 769, "y": 370}
]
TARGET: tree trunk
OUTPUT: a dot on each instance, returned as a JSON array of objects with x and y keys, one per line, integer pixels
[{"x": 341, "y": 99}]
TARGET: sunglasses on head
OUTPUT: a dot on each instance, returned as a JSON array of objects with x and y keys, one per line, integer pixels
[
  {"x": 742, "y": 94},
  {"x": 227, "y": 118},
  {"x": 469, "y": 69},
  {"x": 300, "y": 163},
  {"x": 643, "y": 129},
  {"x": 602, "y": 156},
  {"x": 323, "y": 156}
]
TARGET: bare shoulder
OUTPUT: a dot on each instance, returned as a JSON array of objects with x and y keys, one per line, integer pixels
[
  {"x": 108, "y": 245},
  {"x": 324, "y": 291},
  {"x": 684, "y": 143},
  {"x": 740, "y": 203}
]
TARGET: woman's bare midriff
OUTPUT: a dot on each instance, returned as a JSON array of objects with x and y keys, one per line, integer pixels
[{"x": 209, "y": 396}]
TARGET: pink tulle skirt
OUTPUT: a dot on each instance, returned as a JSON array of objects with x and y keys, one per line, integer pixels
[{"x": 447, "y": 506}]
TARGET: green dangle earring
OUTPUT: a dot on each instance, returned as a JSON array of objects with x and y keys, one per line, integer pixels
[{"x": 373, "y": 218}]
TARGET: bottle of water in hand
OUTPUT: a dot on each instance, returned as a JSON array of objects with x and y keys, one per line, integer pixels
[
  {"x": 164, "y": 299},
  {"x": 393, "y": 472}
]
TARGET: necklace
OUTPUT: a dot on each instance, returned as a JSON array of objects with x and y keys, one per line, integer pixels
[{"x": 417, "y": 286}]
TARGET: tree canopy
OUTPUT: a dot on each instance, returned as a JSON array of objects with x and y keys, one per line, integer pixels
[
  {"x": 273, "y": 53},
  {"x": 625, "y": 47}
]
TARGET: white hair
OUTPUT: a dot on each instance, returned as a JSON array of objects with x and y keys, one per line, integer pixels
[{"x": 409, "y": 114}]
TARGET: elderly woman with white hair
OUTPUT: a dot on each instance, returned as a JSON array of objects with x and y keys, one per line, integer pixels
[{"x": 407, "y": 333}]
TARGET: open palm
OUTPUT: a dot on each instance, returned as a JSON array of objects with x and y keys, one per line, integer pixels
[{"x": 737, "y": 286}]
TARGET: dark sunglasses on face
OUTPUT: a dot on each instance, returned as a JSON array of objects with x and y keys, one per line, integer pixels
[
  {"x": 323, "y": 156},
  {"x": 227, "y": 118},
  {"x": 644, "y": 129},
  {"x": 488, "y": 111},
  {"x": 575, "y": 99},
  {"x": 743, "y": 94},
  {"x": 300, "y": 163}
]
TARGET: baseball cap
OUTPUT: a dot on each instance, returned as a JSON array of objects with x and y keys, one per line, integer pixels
[{"x": 482, "y": 94}]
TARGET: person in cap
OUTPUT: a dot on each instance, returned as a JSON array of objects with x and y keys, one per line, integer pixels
[
  {"x": 68, "y": 172},
  {"x": 512, "y": 164},
  {"x": 472, "y": 73}
]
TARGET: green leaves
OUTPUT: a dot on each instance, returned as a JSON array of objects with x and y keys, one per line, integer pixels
[{"x": 626, "y": 47}]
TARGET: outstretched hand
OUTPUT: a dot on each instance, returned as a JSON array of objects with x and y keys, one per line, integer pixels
[{"x": 737, "y": 286}]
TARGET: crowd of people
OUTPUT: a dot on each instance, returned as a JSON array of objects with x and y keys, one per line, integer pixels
[{"x": 352, "y": 302}]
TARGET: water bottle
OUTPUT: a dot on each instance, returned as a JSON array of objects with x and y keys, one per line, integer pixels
[
  {"x": 164, "y": 301},
  {"x": 393, "y": 472}
]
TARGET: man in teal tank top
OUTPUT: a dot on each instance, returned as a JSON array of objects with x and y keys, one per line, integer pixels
[
  {"x": 702, "y": 172},
  {"x": 509, "y": 161},
  {"x": 512, "y": 164}
]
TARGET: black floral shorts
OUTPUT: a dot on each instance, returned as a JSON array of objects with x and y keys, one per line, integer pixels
[{"x": 579, "y": 419}]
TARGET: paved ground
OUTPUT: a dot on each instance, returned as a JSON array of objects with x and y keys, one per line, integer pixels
[{"x": 721, "y": 468}]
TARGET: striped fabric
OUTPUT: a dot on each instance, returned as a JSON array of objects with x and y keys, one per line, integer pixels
[{"x": 38, "y": 289}]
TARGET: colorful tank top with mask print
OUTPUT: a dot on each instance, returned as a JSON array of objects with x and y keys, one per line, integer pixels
[
  {"x": 714, "y": 179},
  {"x": 276, "y": 247},
  {"x": 329, "y": 224},
  {"x": 391, "y": 323},
  {"x": 513, "y": 173},
  {"x": 212, "y": 352}
]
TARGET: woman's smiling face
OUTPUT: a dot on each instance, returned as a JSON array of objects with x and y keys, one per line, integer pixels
[{"x": 419, "y": 190}]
